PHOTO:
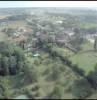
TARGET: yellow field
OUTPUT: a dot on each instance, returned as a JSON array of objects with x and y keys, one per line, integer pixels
[
  {"x": 16, "y": 24},
  {"x": 4, "y": 16}
]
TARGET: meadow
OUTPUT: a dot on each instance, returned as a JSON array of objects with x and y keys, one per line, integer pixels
[{"x": 86, "y": 58}]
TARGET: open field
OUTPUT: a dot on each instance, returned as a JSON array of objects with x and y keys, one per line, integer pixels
[
  {"x": 86, "y": 59},
  {"x": 87, "y": 46}
]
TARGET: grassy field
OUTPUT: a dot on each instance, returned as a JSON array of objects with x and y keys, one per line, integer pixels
[
  {"x": 85, "y": 59},
  {"x": 87, "y": 46}
]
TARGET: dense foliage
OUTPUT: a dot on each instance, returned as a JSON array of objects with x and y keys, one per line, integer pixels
[{"x": 11, "y": 59}]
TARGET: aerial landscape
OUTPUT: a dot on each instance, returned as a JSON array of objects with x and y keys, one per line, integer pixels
[{"x": 48, "y": 53}]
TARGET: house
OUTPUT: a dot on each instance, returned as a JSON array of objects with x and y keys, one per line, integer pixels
[
  {"x": 21, "y": 29},
  {"x": 38, "y": 34},
  {"x": 16, "y": 34},
  {"x": 59, "y": 22},
  {"x": 28, "y": 31},
  {"x": 71, "y": 33},
  {"x": 36, "y": 55},
  {"x": 62, "y": 37},
  {"x": 91, "y": 37}
]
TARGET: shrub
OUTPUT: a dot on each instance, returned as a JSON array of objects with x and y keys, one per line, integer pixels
[{"x": 81, "y": 88}]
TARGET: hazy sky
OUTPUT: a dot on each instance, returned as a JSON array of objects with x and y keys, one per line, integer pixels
[{"x": 89, "y": 4}]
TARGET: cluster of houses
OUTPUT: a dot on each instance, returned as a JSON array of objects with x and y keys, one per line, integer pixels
[
  {"x": 61, "y": 38},
  {"x": 91, "y": 37},
  {"x": 22, "y": 34}
]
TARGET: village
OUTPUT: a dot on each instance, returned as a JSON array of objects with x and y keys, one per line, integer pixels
[{"x": 46, "y": 53}]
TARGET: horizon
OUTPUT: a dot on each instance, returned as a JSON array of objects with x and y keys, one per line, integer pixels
[{"x": 60, "y": 4}]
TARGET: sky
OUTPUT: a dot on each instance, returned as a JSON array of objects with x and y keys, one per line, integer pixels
[{"x": 7, "y": 4}]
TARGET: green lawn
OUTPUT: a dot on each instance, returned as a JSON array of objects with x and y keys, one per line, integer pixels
[
  {"x": 87, "y": 46},
  {"x": 85, "y": 60}
]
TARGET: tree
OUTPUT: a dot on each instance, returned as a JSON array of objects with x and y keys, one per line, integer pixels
[
  {"x": 81, "y": 89},
  {"x": 11, "y": 59},
  {"x": 95, "y": 67},
  {"x": 36, "y": 62},
  {"x": 76, "y": 30},
  {"x": 92, "y": 78},
  {"x": 95, "y": 44},
  {"x": 6, "y": 48},
  {"x": 5, "y": 65},
  {"x": 68, "y": 62},
  {"x": 56, "y": 72},
  {"x": 12, "y": 64},
  {"x": 92, "y": 30},
  {"x": 19, "y": 54},
  {"x": 19, "y": 66},
  {"x": 9, "y": 31},
  {"x": 56, "y": 93},
  {"x": 30, "y": 73},
  {"x": 78, "y": 70},
  {"x": 5, "y": 88},
  {"x": 77, "y": 39},
  {"x": 0, "y": 63}
]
